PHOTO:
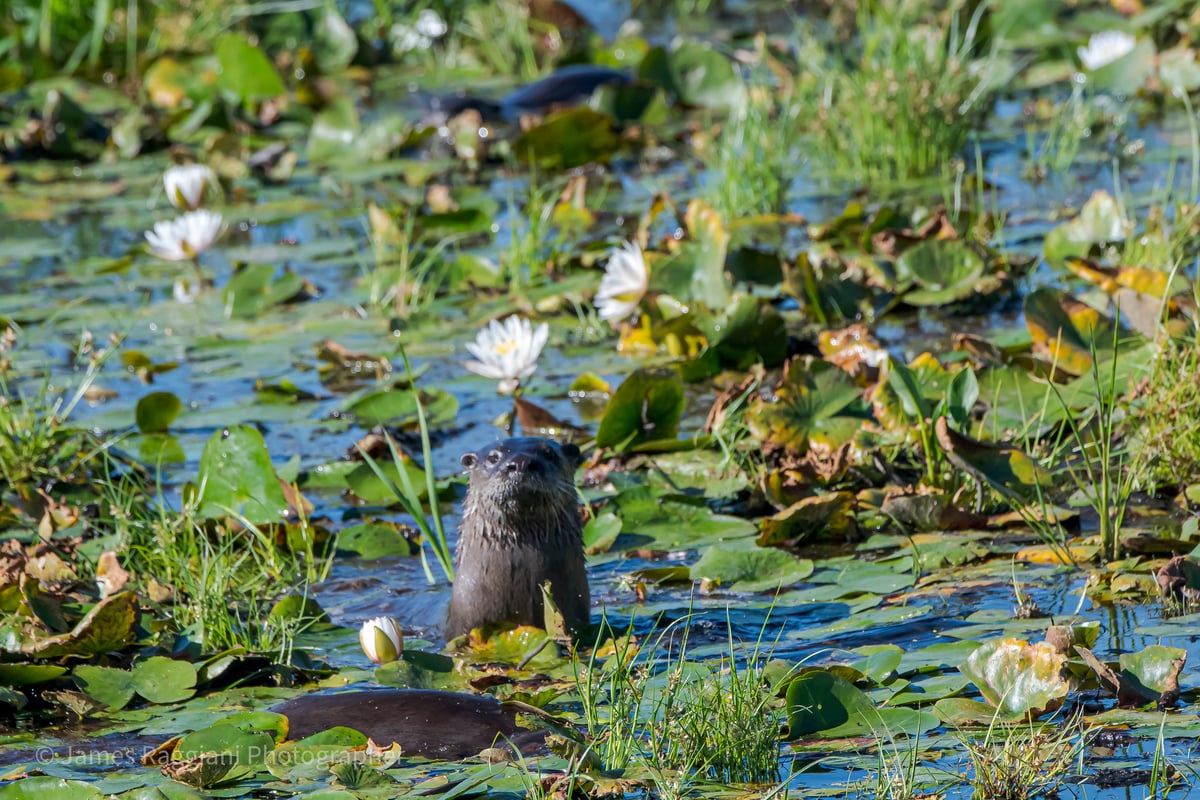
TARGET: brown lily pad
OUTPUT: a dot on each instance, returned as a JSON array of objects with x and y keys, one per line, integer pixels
[{"x": 107, "y": 627}]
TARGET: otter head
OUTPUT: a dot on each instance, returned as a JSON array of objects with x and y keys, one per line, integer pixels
[{"x": 523, "y": 475}]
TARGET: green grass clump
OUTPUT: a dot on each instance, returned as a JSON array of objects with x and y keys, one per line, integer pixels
[
  {"x": 1166, "y": 420},
  {"x": 682, "y": 720},
  {"x": 1022, "y": 763},
  {"x": 752, "y": 162},
  {"x": 906, "y": 107}
]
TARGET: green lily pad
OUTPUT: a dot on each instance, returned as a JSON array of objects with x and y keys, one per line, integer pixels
[
  {"x": 568, "y": 139},
  {"x": 112, "y": 687},
  {"x": 49, "y": 788},
  {"x": 248, "y": 747},
  {"x": 254, "y": 288},
  {"x": 827, "y": 706},
  {"x": 695, "y": 73},
  {"x": 646, "y": 407},
  {"x": 1018, "y": 679},
  {"x": 29, "y": 674},
  {"x": 236, "y": 477},
  {"x": 377, "y": 539},
  {"x": 809, "y": 404},
  {"x": 164, "y": 680},
  {"x": 398, "y": 407},
  {"x": 1150, "y": 675},
  {"x": 1100, "y": 220},
  {"x": 246, "y": 74},
  {"x": 944, "y": 270},
  {"x": 752, "y": 569},
  {"x": 156, "y": 411}
]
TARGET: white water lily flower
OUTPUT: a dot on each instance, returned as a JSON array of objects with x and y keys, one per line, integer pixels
[
  {"x": 186, "y": 236},
  {"x": 623, "y": 285},
  {"x": 187, "y": 185},
  {"x": 430, "y": 24},
  {"x": 420, "y": 35},
  {"x": 507, "y": 351},
  {"x": 1105, "y": 47},
  {"x": 381, "y": 639}
]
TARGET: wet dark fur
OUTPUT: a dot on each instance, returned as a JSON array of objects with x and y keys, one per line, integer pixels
[
  {"x": 426, "y": 723},
  {"x": 520, "y": 528}
]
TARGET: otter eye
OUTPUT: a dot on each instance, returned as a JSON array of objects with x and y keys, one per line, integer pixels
[{"x": 493, "y": 457}]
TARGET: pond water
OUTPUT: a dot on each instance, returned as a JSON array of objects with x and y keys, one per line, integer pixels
[{"x": 72, "y": 264}]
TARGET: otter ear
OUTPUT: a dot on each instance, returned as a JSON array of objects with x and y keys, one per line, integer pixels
[
  {"x": 573, "y": 455},
  {"x": 469, "y": 460}
]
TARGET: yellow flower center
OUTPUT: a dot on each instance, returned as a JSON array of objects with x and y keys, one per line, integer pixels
[{"x": 505, "y": 347}]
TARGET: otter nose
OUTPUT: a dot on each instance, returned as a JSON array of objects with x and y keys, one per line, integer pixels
[{"x": 521, "y": 462}]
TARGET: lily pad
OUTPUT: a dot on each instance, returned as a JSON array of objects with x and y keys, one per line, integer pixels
[
  {"x": 49, "y": 788},
  {"x": 236, "y": 477},
  {"x": 827, "y": 517},
  {"x": 107, "y": 627},
  {"x": 1066, "y": 330},
  {"x": 646, "y": 407},
  {"x": 808, "y": 405},
  {"x": 156, "y": 411},
  {"x": 1150, "y": 675},
  {"x": 695, "y": 73},
  {"x": 1018, "y": 679},
  {"x": 945, "y": 270},
  {"x": 750, "y": 570},
  {"x": 822, "y": 704},
  {"x": 1006, "y": 468},
  {"x": 246, "y": 74},
  {"x": 567, "y": 139}
]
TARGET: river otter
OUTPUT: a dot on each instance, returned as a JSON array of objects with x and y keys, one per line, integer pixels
[
  {"x": 520, "y": 528},
  {"x": 431, "y": 724}
]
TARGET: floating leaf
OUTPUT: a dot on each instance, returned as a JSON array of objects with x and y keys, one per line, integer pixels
[
  {"x": 808, "y": 404},
  {"x": 1006, "y": 468},
  {"x": 646, "y": 407},
  {"x": 750, "y": 570},
  {"x": 29, "y": 674},
  {"x": 1017, "y": 678},
  {"x": 398, "y": 407},
  {"x": 826, "y": 705},
  {"x": 1150, "y": 675},
  {"x": 695, "y": 73},
  {"x": 1065, "y": 330},
  {"x": 236, "y": 476},
  {"x": 254, "y": 288},
  {"x": 48, "y": 788},
  {"x": 164, "y": 680},
  {"x": 246, "y": 74},
  {"x": 568, "y": 139},
  {"x": 1151, "y": 282},
  {"x": 1100, "y": 220},
  {"x": 107, "y": 627},
  {"x": 112, "y": 687},
  {"x": 156, "y": 411},
  {"x": 828, "y": 517},
  {"x": 378, "y": 539},
  {"x": 945, "y": 270}
]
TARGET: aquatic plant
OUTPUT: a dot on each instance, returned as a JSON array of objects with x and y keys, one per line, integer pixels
[
  {"x": 187, "y": 186},
  {"x": 1104, "y": 48},
  {"x": 753, "y": 161},
  {"x": 623, "y": 285},
  {"x": 381, "y": 639},
  {"x": 1025, "y": 762},
  {"x": 507, "y": 351},
  {"x": 908, "y": 105},
  {"x": 185, "y": 237}
]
